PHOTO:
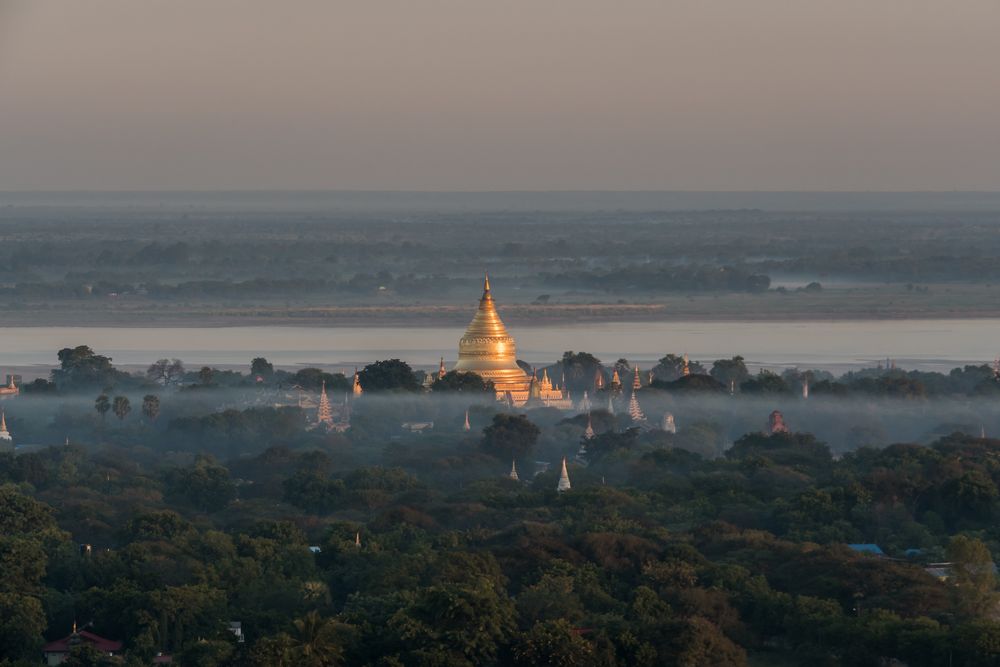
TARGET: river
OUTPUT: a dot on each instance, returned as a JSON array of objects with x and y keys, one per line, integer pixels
[{"x": 837, "y": 346}]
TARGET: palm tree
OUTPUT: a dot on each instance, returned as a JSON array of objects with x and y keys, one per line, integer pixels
[
  {"x": 151, "y": 406},
  {"x": 315, "y": 641},
  {"x": 121, "y": 407},
  {"x": 102, "y": 405}
]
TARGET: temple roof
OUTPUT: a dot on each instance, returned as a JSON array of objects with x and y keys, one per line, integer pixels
[{"x": 81, "y": 637}]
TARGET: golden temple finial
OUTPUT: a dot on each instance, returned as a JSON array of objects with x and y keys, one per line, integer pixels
[{"x": 486, "y": 284}]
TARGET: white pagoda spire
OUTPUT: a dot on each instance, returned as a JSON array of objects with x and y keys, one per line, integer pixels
[
  {"x": 564, "y": 484},
  {"x": 4, "y": 433},
  {"x": 466, "y": 426},
  {"x": 805, "y": 386},
  {"x": 513, "y": 472},
  {"x": 636, "y": 382},
  {"x": 584, "y": 403},
  {"x": 611, "y": 405},
  {"x": 589, "y": 432}
]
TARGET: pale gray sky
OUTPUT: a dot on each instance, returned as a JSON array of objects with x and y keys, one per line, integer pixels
[{"x": 519, "y": 94}]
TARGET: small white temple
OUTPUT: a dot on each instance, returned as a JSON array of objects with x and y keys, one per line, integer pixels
[{"x": 668, "y": 423}]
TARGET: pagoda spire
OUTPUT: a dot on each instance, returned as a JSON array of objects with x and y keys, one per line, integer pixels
[
  {"x": 805, "y": 387},
  {"x": 357, "y": 539},
  {"x": 4, "y": 433},
  {"x": 636, "y": 382},
  {"x": 356, "y": 390},
  {"x": 564, "y": 484},
  {"x": 324, "y": 414},
  {"x": 585, "y": 403},
  {"x": 588, "y": 433},
  {"x": 467, "y": 426},
  {"x": 686, "y": 368},
  {"x": 513, "y": 472},
  {"x": 611, "y": 405},
  {"x": 546, "y": 382},
  {"x": 634, "y": 410},
  {"x": 441, "y": 370}
]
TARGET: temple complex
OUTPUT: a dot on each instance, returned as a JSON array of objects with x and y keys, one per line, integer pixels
[{"x": 489, "y": 351}]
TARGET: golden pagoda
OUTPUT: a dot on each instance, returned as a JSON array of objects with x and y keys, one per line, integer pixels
[{"x": 489, "y": 351}]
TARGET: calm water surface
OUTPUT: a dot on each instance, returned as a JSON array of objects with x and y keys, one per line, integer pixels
[{"x": 924, "y": 344}]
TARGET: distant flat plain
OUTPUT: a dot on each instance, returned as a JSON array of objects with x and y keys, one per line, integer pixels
[{"x": 857, "y": 302}]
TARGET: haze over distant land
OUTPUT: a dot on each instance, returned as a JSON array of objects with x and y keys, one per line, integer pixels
[
  {"x": 448, "y": 95},
  {"x": 333, "y": 203}
]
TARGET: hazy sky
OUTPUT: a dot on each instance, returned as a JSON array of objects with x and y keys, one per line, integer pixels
[{"x": 469, "y": 95}]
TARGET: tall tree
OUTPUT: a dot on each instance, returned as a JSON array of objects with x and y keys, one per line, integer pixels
[
  {"x": 457, "y": 381},
  {"x": 102, "y": 405},
  {"x": 973, "y": 577},
  {"x": 315, "y": 642},
  {"x": 510, "y": 436},
  {"x": 580, "y": 369},
  {"x": 165, "y": 372},
  {"x": 388, "y": 375},
  {"x": 121, "y": 407},
  {"x": 151, "y": 406},
  {"x": 261, "y": 368},
  {"x": 730, "y": 371}
]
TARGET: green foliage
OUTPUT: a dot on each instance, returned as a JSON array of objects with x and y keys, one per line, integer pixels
[
  {"x": 22, "y": 622},
  {"x": 206, "y": 485},
  {"x": 469, "y": 383},
  {"x": 554, "y": 643},
  {"x": 390, "y": 375},
  {"x": 261, "y": 368},
  {"x": 81, "y": 368},
  {"x": 510, "y": 436},
  {"x": 766, "y": 382},
  {"x": 313, "y": 378}
]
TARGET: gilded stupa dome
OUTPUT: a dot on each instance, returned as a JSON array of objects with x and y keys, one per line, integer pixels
[{"x": 488, "y": 350}]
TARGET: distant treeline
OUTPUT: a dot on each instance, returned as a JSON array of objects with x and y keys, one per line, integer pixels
[{"x": 185, "y": 254}]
